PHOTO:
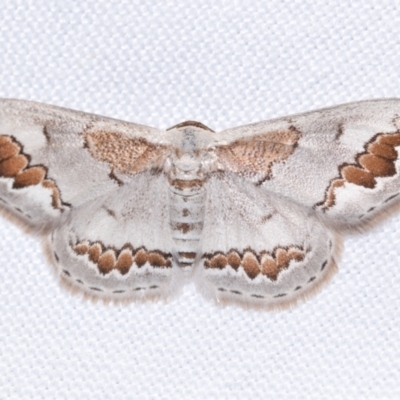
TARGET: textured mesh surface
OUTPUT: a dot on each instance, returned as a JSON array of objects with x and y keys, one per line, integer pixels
[{"x": 223, "y": 63}]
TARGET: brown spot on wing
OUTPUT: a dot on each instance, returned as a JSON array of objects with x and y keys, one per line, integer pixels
[
  {"x": 158, "y": 261},
  {"x": 56, "y": 198},
  {"x": 250, "y": 264},
  {"x": 16, "y": 165},
  {"x": 218, "y": 261},
  {"x": 383, "y": 150},
  {"x": 141, "y": 258},
  {"x": 106, "y": 262},
  {"x": 122, "y": 153},
  {"x": 267, "y": 264},
  {"x": 124, "y": 262},
  {"x": 10, "y": 167},
  {"x": 282, "y": 259},
  {"x": 377, "y": 161},
  {"x": 257, "y": 154},
  {"x": 29, "y": 177},
  {"x": 95, "y": 252},
  {"x": 358, "y": 176},
  {"x": 233, "y": 259},
  {"x": 106, "y": 259},
  {"x": 377, "y": 165},
  {"x": 8, "y": 148},
  {"x": 82, "y": 248},
  {"x": 391, "y": 139}
]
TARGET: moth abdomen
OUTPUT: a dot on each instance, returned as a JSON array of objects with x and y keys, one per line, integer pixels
[{"x": 186, "y": 218}]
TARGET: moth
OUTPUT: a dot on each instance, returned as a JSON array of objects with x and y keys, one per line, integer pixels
[{"x": 252, "y": 215}]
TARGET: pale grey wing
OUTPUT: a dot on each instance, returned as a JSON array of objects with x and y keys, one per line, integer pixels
[
  {"x": 94, "y": 184},
  {"x": 341, "y": 161},
  {"x": 53, "y": 159},
  {"x": 285, "y": 187},
  {"x": 118, "y": 247},
  {"x": 260, "y": 250}
]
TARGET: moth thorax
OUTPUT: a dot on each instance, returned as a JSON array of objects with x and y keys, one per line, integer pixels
[{"x": 186, "y": 176}]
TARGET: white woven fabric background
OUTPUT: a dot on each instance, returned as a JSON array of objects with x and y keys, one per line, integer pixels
[{"x": 225, "y": 63}]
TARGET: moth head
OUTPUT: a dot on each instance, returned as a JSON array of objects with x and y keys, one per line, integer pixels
[
  {"x": 191, "y": 136},
  {"x": 191, "y": 139},
  {"x": 190, "y": 124}
]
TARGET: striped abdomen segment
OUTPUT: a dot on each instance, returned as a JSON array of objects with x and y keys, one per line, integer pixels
[{"x": 186, "y": 210}]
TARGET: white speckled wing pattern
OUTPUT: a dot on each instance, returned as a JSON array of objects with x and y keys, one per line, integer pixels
[{"x": 253, "y": 215}]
